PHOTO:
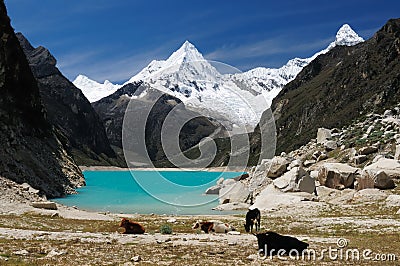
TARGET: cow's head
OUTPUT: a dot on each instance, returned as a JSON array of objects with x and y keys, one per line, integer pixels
[
  {"x": 123, "y": 222},
  {"x": 197, "y": 224}
]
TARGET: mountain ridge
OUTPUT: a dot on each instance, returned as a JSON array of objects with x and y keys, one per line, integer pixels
[{"x": 236, "y": 100}]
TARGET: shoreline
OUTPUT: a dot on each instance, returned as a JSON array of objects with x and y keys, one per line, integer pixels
[{"x": 115, "y": 168}]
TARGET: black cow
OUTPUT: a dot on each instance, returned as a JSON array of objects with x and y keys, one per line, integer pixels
[
  {"x": 271, "y": 243},
  {"x": 252, "y": 217}
]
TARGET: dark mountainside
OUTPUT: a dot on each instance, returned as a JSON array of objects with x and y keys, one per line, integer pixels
[
  {"x": 112, "y": 110},
  {"x": 78, "y": 125},
  {"x": 339, "y": 87},
  {"x": 30, "y": 151}
]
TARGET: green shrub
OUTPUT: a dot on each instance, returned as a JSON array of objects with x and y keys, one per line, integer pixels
[{"x": 166, "y": 229}]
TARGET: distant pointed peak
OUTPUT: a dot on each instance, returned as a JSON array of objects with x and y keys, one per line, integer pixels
[
  {"x": 347, "y": 36},
  {"x": 188, "y": 47},
  {"x": 186, "y": 53}
]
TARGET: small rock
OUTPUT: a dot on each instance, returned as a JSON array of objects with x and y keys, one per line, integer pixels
[
  {"x": 367, "y": 150},
  {"x": 55, "y": 214},
  {"x": 316, "y": 155},
  {"x": 25, "y": 186},
  {"x": 330, "y": 145},
  {"x": 252, "y": 257},
  {"x": 220, "y": 181},
  {"x": 308, "y": 163},
  {"x": 397, "y": 154},
  {"x": 359, "y": 159},
  {"x": 388, "y": 113},
  {"x": 233, "y": 233},
  {"x": 393, "y": 201},
  {"x": 136, "y": 258},
  {"x": 48, "y": 205},
  {"x": 172, "y": 220},
  {"x": 55, "y": 252},
  {"x": 232, "y": 243},
  {"x": 322, "y": 157},
  {"x": 398, "y": 212},
  {"x": 22, "y": 252}
]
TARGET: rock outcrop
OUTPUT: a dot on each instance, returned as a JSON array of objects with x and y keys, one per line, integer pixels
[
  {"x": 77, "y": 123},
  {"x": 31, "y": 152},
  {"x": 112, "y": 110}
]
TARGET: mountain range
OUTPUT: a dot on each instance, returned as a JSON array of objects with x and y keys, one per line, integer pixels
[{"x": 236, "y": 100}]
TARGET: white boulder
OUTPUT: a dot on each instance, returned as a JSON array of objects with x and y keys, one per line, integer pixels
[
  {"x": 389, "y": 166},
  {"x": 237, "y": 192},
  {"x": 323, "y": 135}
]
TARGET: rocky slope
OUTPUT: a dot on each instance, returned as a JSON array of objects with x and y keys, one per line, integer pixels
[
  {"x": 31, "y": 152},
  {"x": 355, "y": 164},
  {"x": 340, "y": 86},
  {"x": 112, "y": 110},
  {"x": 68, "y": 110}
]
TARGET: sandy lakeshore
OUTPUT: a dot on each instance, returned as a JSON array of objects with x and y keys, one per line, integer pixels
[{"x": 113, "y": 168}]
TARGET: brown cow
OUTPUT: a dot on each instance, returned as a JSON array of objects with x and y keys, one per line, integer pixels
[{"x": 131, "y": 227}]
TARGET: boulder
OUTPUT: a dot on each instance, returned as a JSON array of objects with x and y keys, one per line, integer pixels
[
  {"x": 48, "y": 205},
  {"x": 297, "y": 179},
  {"x": 337, "y": 175},
  {"x": 220, "y": 181},
  {"x": 214, "y": 190},
  {"x": 237, "y": 192},
  {"x": 323, "y": 135},
  {"x": 271, "y": 198},
  {"x": 228, "y": 182},
  {"x": 369, "y": 195},
  {"x": 364, "y": 181},
  {"x": 382, "y": 180},
  {"x": 389, "y": 166},
  {"x": 393, "y": 201},
  {"x": 263, "y": 166},
  {"x": 359, "y": 159},
  {"x": 330, "y": 145},
  {"x": 367, "y": 150},
  {"x": 278, "y": 167}
]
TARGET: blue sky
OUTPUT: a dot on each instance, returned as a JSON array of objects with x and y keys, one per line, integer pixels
[{"x": 113, "y": 40}]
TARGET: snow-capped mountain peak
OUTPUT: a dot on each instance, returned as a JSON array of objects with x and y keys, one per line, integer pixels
[
  {"x": 347, "y": 36},
  {"x": 239, "y": 99},
  {"x": 186, "y": 63},
  {"x": 186, "y": 53},
  {"x": 94, "y": 90}
]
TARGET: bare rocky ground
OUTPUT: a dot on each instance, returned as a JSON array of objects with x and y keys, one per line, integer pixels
[
  {"x": 66, "y": 236},
  {"x": 367, "y": 219}
]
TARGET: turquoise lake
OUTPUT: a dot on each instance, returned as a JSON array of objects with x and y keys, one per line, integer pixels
[{"x": 145, "y": 192}]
